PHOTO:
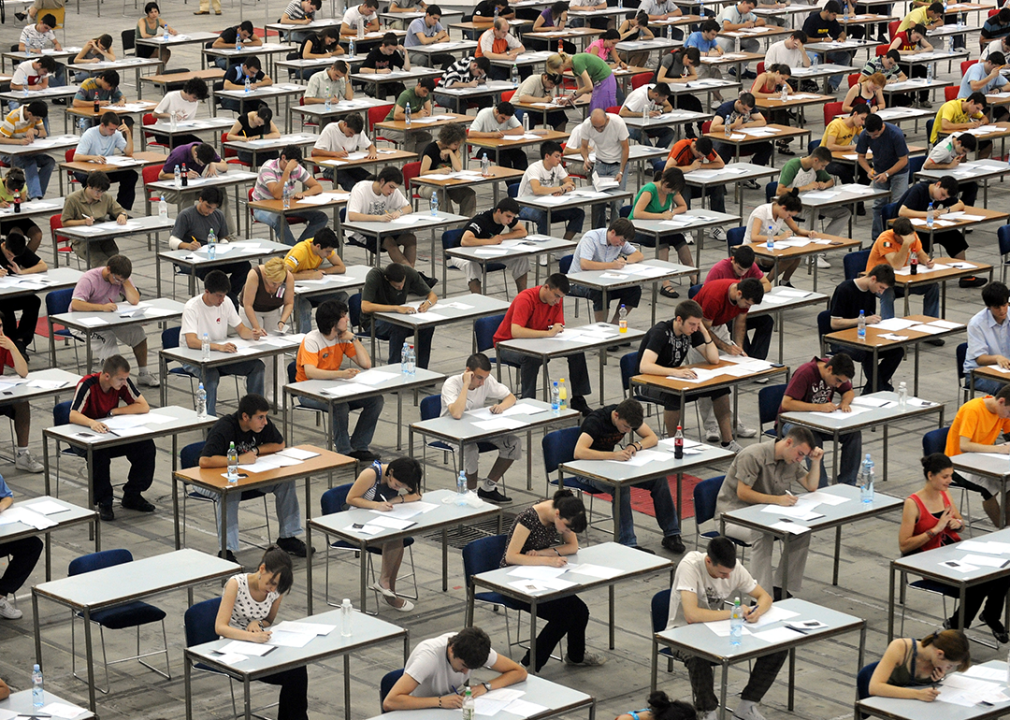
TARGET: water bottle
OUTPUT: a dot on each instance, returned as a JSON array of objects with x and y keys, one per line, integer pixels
[
  {"x": 185, "y": 176},
  {"x": 211, "y": 250},
  {"x": 736, "y": 622},
  {"x": 248, "y": 85},
  {"x": 201, "y": 402},
  {"x": 327, "y": 106},
  {"x": 206, "y": 346},
  {"x": 165, "y": 35},
  {"x": 461, "y": 488},
  {"x": 162, "y": 208},
  {"x": 562, "y": 394},
  {"x": 17, "y": 201},
  {"x": 622, "y": 319},
  {"x": 287, "y": 195},
  {"x": 406, "y": 114},
  {"x": 411, "y": 361},
  {"x": 929, "y": 72},
  {"x": 38, "y": 694},
  {"x": 770, "y": 240},
  {"x": 930, "y": 213},
  {"x": 178, "y": 173},
  {"x": 211, "y": 237},
  {"x": 678, "y": 443},
  {"x": 404, "y": 358},
  {"x": 232, "y": 463},
  {"x": 669, "y": 33},
  {"x": 495, "y": 12},
  {"x": 468, "y": 707},
  {"x": 361, "y": 29},
  {"x": 173, "y": 124},
  {"x": 515, "y": 75},
  {"x": 861, "y": 326},
  {"x": 866, "y": 480},
  {"x": 485, "y": 166},
  {"x": 555, "y": 399},
  {"x": 433, "y": 203},
  {"x": 960, "y": 19},
  {"x": 902, "y": 396},
  {"x": 785, "y": 93},
  {"x": 345, "y": 617},
  {"x": 620, "y": 4},
  {"x": 351, "y": 47},
  {"x": 238, "y": 43},
  {"x": 526, "y": 122},
  {"x": 647, "y": 113}
]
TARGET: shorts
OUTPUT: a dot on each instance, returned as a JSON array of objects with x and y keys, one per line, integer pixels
[
  {"x": 517, "y": 266},
  {"x": 105, "y": 342},
  {"x": 509, "y": 448},
  {"x": 23, "y": 224},
  {"x": 987, "y": 486},
  {"x": 671, "y": 401}
]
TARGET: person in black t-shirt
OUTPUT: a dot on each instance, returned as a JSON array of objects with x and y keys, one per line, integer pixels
[
  {"x": 384, "y": 59},
  {"x": 441, "y": 157},
  {"x": 602, "y": 430},
  {"x": 250, "y": 69},
  {"x": 254, "y": 435},
  {"x": 943, "y": 195},
  {"x": 823, "y": 26},
  {"x": 664, "y": 349},
  {"x": 228, "y": 38},
  {"x": 485, "y": 9},
  {"x": 491, "y": 227},
  {"x": 853, "y": 296},
  {"x": 17, "y": 259}
]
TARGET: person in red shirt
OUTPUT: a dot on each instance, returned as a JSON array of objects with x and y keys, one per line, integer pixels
[
  {"x": 697, "y": 154},
  {"x": 99, "y": 396},
  {"x": 738, "y": 267},
  {"x": 539, "y": 312}
]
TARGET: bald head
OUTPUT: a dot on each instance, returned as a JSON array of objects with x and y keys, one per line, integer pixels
[
  {"x": 501, "y": 24},
  {"x": 598, "y": 119}
]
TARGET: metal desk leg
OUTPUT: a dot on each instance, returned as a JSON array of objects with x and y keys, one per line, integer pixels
[
  {"x": 533, "y": 635},
  {"x": 89, "y": 652},
  {"x": 792, "y": 676},
  {"x": 175, "y": 512},
  {"x": 655, "y": 664},
  {"x": 890, "y": 605},
  {"x": 224, "y": 523},
  {"x": 186, "y": 684},
  {"x": 722, "y": 692},
  {"x": 308, "y": 565},
  {"x": 399, "y": 420},
  {"x": 616, "y": 503},
  {"x": 246, "y": 694},
  {"x": 838, "y": 548},
  {"x": 611, "y": 593},
  {"x": 785, "y": 564},
  {"x": 347, "y": 687},
  {"x": 38, "y": 634},
  {"x": 445, "y": 559},
  {"x": 363, "y": 583}
]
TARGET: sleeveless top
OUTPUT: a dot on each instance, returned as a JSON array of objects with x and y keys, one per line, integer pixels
[
  {"x": 378, "y": 491},
  {"x": 265, "y": 301},
  {"x": 927, "y": 521},
  {"x": 904, "y": 675},
  {"x": 860, "y": 100},
  {"x": 634, "y": 713},
  {"x": 248, "y": 130},
  {"x": 246, "y": 608},
  {"x": 541, "y": 536}
]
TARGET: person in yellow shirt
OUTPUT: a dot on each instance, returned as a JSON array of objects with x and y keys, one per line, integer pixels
[
  {"x": 929, "y": 15},
  {"x": 962, "y": 114},
  {"x": 305, "y": 261},
  {"x": 839, "y": 136}
]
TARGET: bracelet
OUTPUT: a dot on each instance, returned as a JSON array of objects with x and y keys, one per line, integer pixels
[
  {"x": 556, "y": 552},
  {"x": 931, "y": 534},
  {"x": 440, "y": 701}
]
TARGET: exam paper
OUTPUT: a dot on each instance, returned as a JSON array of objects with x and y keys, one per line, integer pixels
[
  {"x": 245, "y": 648},
  {"x": 779, "y": 634},
  {"x": 722, "y": 628},
  {"x": 496, "y": 701},
  {"x": 284, "y": 638},
  {"x": 405, "y": 511},
  {"x": 537, "y": 572}
]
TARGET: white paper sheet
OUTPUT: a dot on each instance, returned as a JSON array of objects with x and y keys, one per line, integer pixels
[
  {"x": 246, "y": 648},
  {"x": 537, "y": 572},
  {"x": 778, "y": 635},
  {"x": 405, "y": 511},
  {"x": 722, "y": 628},
  {"x": 790, "y": 527},
  {"x": 597, "y": 571},
  {"x": 495, "y": 701},
  {"x": 500, "y": 423},
  {"x": 283, "y": 638}
]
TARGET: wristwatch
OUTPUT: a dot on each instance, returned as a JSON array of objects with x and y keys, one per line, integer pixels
[{"x": 487, "y": 686}]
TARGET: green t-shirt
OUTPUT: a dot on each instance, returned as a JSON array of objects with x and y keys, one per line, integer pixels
[
  {"x": 793, "y": 170},
  {"x": 654, "y": 205},
  {"x": 594, "y": 64},
  {"x": 408, "y": 96}
]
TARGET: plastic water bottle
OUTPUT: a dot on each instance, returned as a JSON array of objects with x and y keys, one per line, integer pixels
[
  {"x": 929, "y": 72},
  {"x": 784, "y": 97},
  {"x": 468, "y": 706},
  {"x": 206, "y": 346},
  {"x": 248, "y": 85},
  {"x": 165, "y": 35},
  {"x": 495, "y": 12},
  {"x": 555, "y": 399},
  {"x": 620, "y": 4},
  {"x": 526, "y": 122},
  {"x": 960, "y": 19},
  {"x": 647, "y": 113},
  {"x": 485, "y": 166},
  {"x": 678, "y": 443},
  {"x": 173, "y": 123},
  {"x": 433, "y": 203},
  {"x": 461, "y": 488},
  {"x": 404, "y": 358},
  {"x": 287, "y": 195},
  {"x": 930, "y": 213},
  {"x": 562, "y": 395},
  {"x": 669, "y": 33},
  {"x": 770, "y": 240},
  {"x": 361, "y": 30},
  {"x": 37, "y": 694},
  {"x": 211, "y": 249},
  {"x": 327, "y": 106},
  {"x": 866, "y": 480},
  {"x": 406, "y": 114},
  {"x": 201, "y": 402},
  {"x": 24, "y": 92},
  {"x": 162, "y": 208},
  {"x": 351, "y": 48},
  {"x": 211, "y": 237},
  {"x": 736, "y": 622},
  {"x": 178, "y": 173},
  {"x": 622, "y": 319},
  {"x": 411, "y": 361},
  {"x": 232, "y": 463},
  {"x": 238, "y": 43},
  {"x": 861, "y": 326},
  {"x": 345, "y": 617},
  {"x": 515, "y": 75},
  {"x": 902, "y": 396}
]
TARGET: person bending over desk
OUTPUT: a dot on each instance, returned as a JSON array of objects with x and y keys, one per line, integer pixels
[
  {"x": 255, "y": 124},
  {"x": 338, "y": 140},
  {"x": 183, "y": 105},
  {"x": 91, "y": 204},
  {"x": 17, "y": 258},
  {"x": 896, "y": 247},
  {"x": 493, "y": 227},
  {"x": 265, "y": 304},
  {"x": 380, "y": 200},
  {"x": 23, "y": 555},
  {"x": 910, "y": 668},
  {"x": 274, "y": 175},
  {"x": 19, "y": 412},
  {"x": 249, "y": 73},
  {"x": 976, "y": 427},
  {"x": 609, "y": 249},
  {"x": 549, "y": 177},
  {"x": 386, "y": 290},
  {"x": 305, "y": 261},
  {"x": 195, "y": 160}
]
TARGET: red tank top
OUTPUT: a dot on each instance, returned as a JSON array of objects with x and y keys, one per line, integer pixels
[{"x": 926, "y": 522}]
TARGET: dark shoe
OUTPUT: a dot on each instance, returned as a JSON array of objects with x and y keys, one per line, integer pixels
[
  {"x": 749, "y": 75},
  {"x": 293, "y": 546},
  {"x": 579, "y": 403},
  {"x": 364, "y": 455},
  {"x": 998, "y": 631},
  {"x": 751, "y": 185},
  {"x": 105, "y": 512},
  {"x": 59, "y": 101},
  {"x": 784, "y": 149},
  {"x": 493, "y": 496},
  {"x": 674, "y": 544},
  {"x": 20, "y": 16},
  {"x": 935, "y": 342},
  {"x": 228, "y": 555},
  {"x": 138, "y": 503},
  {"x": 613, "y": 348},
  {"x": 668, "y": 292},
  {"x": 777, "y": 594},
  {"x": 432, "y": 282},
  {"x": 786, "y": 283},
  {"x": 643, "y": 549},
  {"x": 971, "y": 282},
  {"x": 860, "y": 209}
]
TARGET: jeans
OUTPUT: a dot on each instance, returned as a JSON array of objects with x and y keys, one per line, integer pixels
[
  {"x": 889, "y": 360},
  {"x": 762, "y": 325},
  {"x": 851, "y": 450},
  {"x": 529, "y": 368},
  {"x": 666, "y": 510},
  {"x": 370, "y": 409},
  {"x": 21, "y": 332},
  {"x": 237, "y": 273},
  {"x": 285, "y": 504},
  {"x": 397, "y": 335},
  {"x": 253, "y": 370},
  {"x": 605, "y": 169},
  {"x": 24, "y": 554},
  {"x": 762, "y": 677},
  {"x": 127, "y": 180},
  {"x": 986, "y": 386},
  {"x": 38, "y": 169},
  {"x": 630, "y": 297},
  {"x": 141, "y": 456},
  {"x": 664, "y": 136},
  {"x": 930, "y": 304},
  {"x": 716, "y": 196},
  {"x": 897, "y": 184},
  {"x": 315, "y": 221},
  {"x": 565, "y": 616},
  {"x": 762, "y": 152},
  {"x": 572, "y": 217},
  {"x": 350, "y": 177}
]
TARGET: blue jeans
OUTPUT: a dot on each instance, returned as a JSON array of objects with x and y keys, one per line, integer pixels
[
  {"x": 666, "y": 511},
  {"x": 897, "y": 184},
  {"x": 852, "y": 453},
  {"x": 987, "y": 386},
  {"x": 529, "y": 371},
  {"x": 629, "y": 297},
  {"x": 38, "y": 169},
  {"x": 604, "y": 169},
  {"x": 370, "y": 408},
  {"x": 930, "y": 304},
  {"x": 572, "y": 217},
  {"x": 285, "y": 504},
  {"x": 304, "y": 305},
  {"x": 315, "y": 221},
  {"x": 253, "y": 370},
  {"x": 664, "y": 136},
  {"x": 397, "y": 335}
]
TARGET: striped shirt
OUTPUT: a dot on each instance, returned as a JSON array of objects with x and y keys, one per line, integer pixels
[
  {"x": 90, "y": 91},
  {"x": 294, "y": 11},
  {"x": 458, "y": 72},
  {"x": 15, "y": 125},
  {"x": 876, "y": 65},
  {"x": 93, "y": 402},
  {"x": 272, "y": 172}
]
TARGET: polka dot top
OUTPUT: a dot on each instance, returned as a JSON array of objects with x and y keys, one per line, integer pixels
[
  {"x": 540, "y": 537},
  {"x": 246, "y": 608}
]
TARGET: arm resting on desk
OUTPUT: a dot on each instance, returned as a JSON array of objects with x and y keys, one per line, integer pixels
[{"x": 880, "y": 680}]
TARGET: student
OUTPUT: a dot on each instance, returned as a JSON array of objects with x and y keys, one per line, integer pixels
[
  {"x": 305, "y": 261},
  {"x": 103, "y": 141},
  {"x": 273, "y": 176},
  {"x": 737, "y": 17},
  {"x": 98, "y": 396},
  {"x": 265, "y": 304},
  {"x": 419, "y": 100},
  {"x": 386, "y": 290},
  {"x": 14, "y": 184},
  {"x": 364, "y": 16},
  {"x": 889, "y": 170},
  {"x": 39, "y": 36},
  {"x": 438, "y": 667},
  {"x": 950, "y": 152},
  {"x": 896, "y": 247},
  {"x": 492, "y": 227},
  {"x": 702, "y": 586},
  {"x": 383, "y": 59},
  {"x": 738, "y": 266},
  {"x": 198, "y": 159},
  {"x": 256, "y": 124},
  {"x": 338, "y": 140},
  {"x": 976, "y": 427},
  {"x": 22, "y": 557},
  {"x": 734, "y": 115},
  {"x": 810, "y": 173},
  {"x": 908, "y": 43},
  {"x": 773, "y": 83},
  {"x": 183, "y": 105},
  {"x": 152, "y": 25},
  {"x": 324, "y": 44},
  {"x": 299, "y": 12},
  {"x": 822, "y": 26},
  {"x": 330, "y": 84},
  {"x": 549, "y": 177},
  {"x": 869, "y": 91},
  {"x": 380, "y": 200},
  {"x": 498, "y": 122},
  {"x": 87, "y": 206},
  {"x": 228, "y": 38},
  {"x": 860, "y": 294},
  {"x": 989, "y": 336},
  {"x": 210, "y": 315},
  {"x": 608, "y": 249},
  {"x": 643, "y": 99},
  {"x": 886, "y": 65},
  {"x": 636, "y": 28},
  {"x": 966, "y": 113},
  {"x": 469, "y": 391},
  {"x": 467, "y": 72},
  {"x": 253, "y": 435},
  {"x": 789, "y": 51},
  {"x": 486, "y": 10},
  {"x": 910, "y": 669},
  {"x": 1002, "y": 45},
  {"x": 609, "y": 133},
  {"x": 428, "y": 30},
  {"x": 19, "y": 412},
  {"x": 32, "y": 75},
  {"x": 404, "y": 6},
  {"x": 594, "y": 77},
  {"x": 20, "y": 127},
  {"x": 248, "y": 72},
  {"x": 498, "y": 43},
  {"x": 443, "y": 156},
  {"x": 681, "y": 65},
  {"x": 553, "y": 18},
  {"x": 692, "y": 154},
  {"x": 602, "y": 431},
  {"x": 931, "y": 520},
  {"x": 931, "y": 16},
  {"x": 539, "y": 312},
  {"x": 103, "y": 84},
  {"x": 838, "y": 137},
  {"x": 985, "y": 76},
  {"x": 603, "y": 48},
  {"x": 705, "y": 39},
  {"x": 249, "y": 607},
  {"x": 770, "y": 217},
  {"x": 942, "y": 196}
]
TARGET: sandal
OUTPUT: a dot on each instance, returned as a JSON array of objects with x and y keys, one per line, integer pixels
[
  {"x": 669, "y": 292},
  {"x": 385, "y": 592}
]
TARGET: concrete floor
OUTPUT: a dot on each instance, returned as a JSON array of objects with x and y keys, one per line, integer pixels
[{"x": 825, "y": 673}]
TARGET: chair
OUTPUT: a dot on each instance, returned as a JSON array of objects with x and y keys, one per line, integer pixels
[
  {"x": 760, "y": 68},
  {"x": 831, "y": 111},
  {"x": 199, "y": 622},
  {"x": 149, "y": 174},
  {"x": 854, "y": 263},
  {"x": 1003, "y": 237},
  {"x": 853, "y": 78},
  {"x": 661, "y": 615},
  {"x": 915, "y": 164},
  {"x": 863, "y": 681},
  {"x": 484, "y": 555},
  {"x": 62, "y": 242},
  {"x": 483, "y": 331},
  {"x": 882, "y": 50},
  {"x": 629, "y": 368},
  {"x": 333, "y": 501},
  {"x": 935, "y": 441},
  {"x": 965, "y": 65},
  {"x": 892, "y": 28},
  {"x": 452, "y": 239},
  {"x": 58, "y": 301},
  {"x": 558, "y": 448},
  {"x": 507, "y": 95},
  {"x": 890, "y": 211},
  {"x": 769, "y": 402},
  {"x": 770, "y": 189},
  {"x": 134, "y": 614},
  {"x": 387, "y": 683},
  {"x": 705, "y": 494},
  {"x": 431, "y": 408},
  {"x": 564, "y": 265},
  {"x": 641, "y": 79},
  {"x": 950, "y": 93},
  {"x": 231, "y": 154},
  {"x": 410, "y": 171},
  {"x": 734, "y": 237},
  {"x": 929, "y": 127},
  {"x": 151, "y": 138},
  {"x": 961, "y": 354},
  {"x": 377, "y": 115},
  {"x": 813, "y": 145},
  {"x": 129, "y": 40},
  {"x": 693, "y": 290},
  {"x": 61, "y": 416},
  {"x": 823, "y": 328}
]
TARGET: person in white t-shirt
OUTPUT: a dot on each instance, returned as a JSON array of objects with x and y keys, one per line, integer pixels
[
  {"x": 211, "y": 314},
  {"x": 1000, "y": 45},
  {"x": 610, "y": 134},
  {"x": 497, "y": 122},
  {"x": 380, "y": 200},
  {"x": 653, "y": 98},
  {"x": 773, "y": 216},
  {"x": 548, "y": 177},
  {"x": 364, "y": 14},
  {"x": 704, "y": 582},
  {"x": 338, "y": 140},
  {"x": 470, "y": 391},
  {"x": 789, "y": 51},
  {"x": 182, "y": 105},
  {"x": 439, "y": 667}
]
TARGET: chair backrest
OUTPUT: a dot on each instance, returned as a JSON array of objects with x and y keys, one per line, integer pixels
[
  {"x": 150, "y": 173},
  {"x": 890, "y": 211},
  {"x": 705, "y": 494},
  {"x": 760, "y": 68},
  {"x": 614, "y": 110},
  {"x": 915, "y": 164},
  {"x": 559, "y": 447},
  {"x": 483, "y": 555},
  {"x": 507, "y": 95},
  {"x": 1003, "y": 237},
  {"x": 431, "y": 407},
  {"x": 892, "y": 28},
  {"x": 452, "y": 238},
  {"x": 660, "y": 610},
  {"x": 863, "y": 680},
  {"x": 410, "y": 171},
  {"x": 334, "y": 499},
  {"x": 375, "y": 115},
  {"x": 853, "y": 78},
  {"x": 769, "y": 402},
  {"x": 629, "y": 368},
  {"x": 387, "y": 683},
  {"x": 58, "y": 301},
  {"x": 965, "y": 65},
  {"x": 292, "y": 370},
  {"x": 855, "y": 263},
  {"x": 484, "y": 330},
  {"x": 831, "y": 111},
  {"x": 98, "y": 560},
  {"x": 813, "y": 145},
  {"x": 354, "y": 309},
  {"x": 823, "y": 326},
  {"x": 770, "y": 189},
  {"x": 961, "y": 353},
  {"x": 513, "y": 189},
  {"x": 170, "y": 337},
  {"x": 639, "y": 80},
  {"x": 882, "y": 49},
  {"x": 693, "y": 290},
  {"x": 929, "y": 127},
  {"x": 735, "y": 236},
  {"x": 935, "y": 441},
  {"x": 565, "y": 264},
  {"x": 61, "y": 413},
  {"x": 950, "y": 93},
  {"x": 200, "y": 620},
  {"x": 190, "y": 455},
  {"x": 129, "y": 39}
]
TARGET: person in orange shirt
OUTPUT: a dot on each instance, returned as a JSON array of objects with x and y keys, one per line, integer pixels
[
  {"x": 975, "y": 428},
  {"x": 695, "y": 154},
  {"x": 898, "y": 247}
]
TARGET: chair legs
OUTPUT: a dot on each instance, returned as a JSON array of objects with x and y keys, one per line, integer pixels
[{"x": 105, "y": 660}]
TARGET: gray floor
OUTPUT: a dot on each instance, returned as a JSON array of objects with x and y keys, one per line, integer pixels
[{"x": 825, "y": 674}]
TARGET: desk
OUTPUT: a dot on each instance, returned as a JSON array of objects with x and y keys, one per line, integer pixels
[
  {"x": 583, "y": 34},
  {"x": 700, "y": 641},
  {"x": 793, "y": 100},
  {"x": 122, "y": 65},
  {"x": 122, "y": 584},
  {"x": 668, "y": 119},
  {"x": 986, "y": 465},
  {"x": 411, "y": 15},
  {"x": 367, "y": 632},
  {"x": 898, "y": 115},
  {"x": 535, "y": 138},
  {"x": 850, "y": 44},
  {"x": 700, "y": 221},
  {"x": 260, "y": 95},
  {"x": 737, "y": 59},
  {"x": 549, "y": 105},
  {"x": 111, "y": 230},
  {"x": 419, "y": 124},
  {"x": 233, "y": 178},
  {"x": 822, "y": 72},
  {"x": 531, "y": 246},
  {"x": 619, "y": 475},
  {"x": 285, "y": 30},
  {"x": 191, "y": 38},
  {"x": 19, "y": 56},
  {"x": 478, "y": 306},
  {"x": 353, "y": 277},
  {"x": 445, "y": 515},
  {"x": 164, "y": 81},
  {"x": 784, "y": 250},
  {"x": 214, "y": 480},
  {"x": 210, "y": 126},
  {"x": 265, "y": 51},
  {"x": 659, "y": 44},
  {"x": 335, "y": 198},
  {"x": 896, "y": 709},
  {"x": 407, "y": 77},
  {"x": 317, "y": 112},
  {"x": 496, "y": 174},
  {"x": 189, "y": 261},
  {"x": 49, "y": 144},
  {"x": 527, "y": 59},
  {"x": 419, "y": 222},
  {"x": 23, "y": 704},
  {"x": 924, "y": 276},
  {"x": 734, "y": 173},
  {"x": 70, "y": 516},
  {"x": 780, "y": 299},
  {"x": 55, "y": 279},
  {"x": 147, "y": 311},
  {"x": 977, "y": 171},
  {"x": 140, "y": 160},
  {"x": 765, "y": 31},
  {"x": 745, "y": 137},
  {"x": 627, "y": 564},
  {"x": 490, "y": 88},
  {"x": 139, "y": 108},
  {"x": 833, "y": 516},
  {"x": 315, "y": 64},
  {"x": 913, "y": 85},
  {"x": 573, "y": 199},
  {"x": 631, "y": 275}
]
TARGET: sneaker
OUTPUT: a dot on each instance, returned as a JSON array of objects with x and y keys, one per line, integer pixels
[
  {"x": 786, "y": 283},
  {"x": 105, "y": 512},
  {"x": 784, "y": 149},
  {"x": 293, "y": 546},
  {"x": 138, "y": 503},
  {"x": 579, "y": 403},
  {"x": 643, "y": 549},
  {"x": 588, "y": 660},
  {"x": 20, "y": 16},
  {"x": 752, "y": 185},
  {"x": 998, "y": 631},
  {"x": 366, "y": 456},
  {"x": 26, "y": 462},
  {"x": 719, "y": 234},
  {"x": 713, "y": 715},
  {"x": 750, "y": 713},
  {"x": 148, "y": 380},
  {"x": 8, "y": 611},
  {"x": 674, "y": 544},
  {"x": 493, "y": 496},
  {"x": 430, "y": 281},
  {"x": 822, "y": 262},
  {"x": 936, "y": 342},
  {"x": 749, "y": 75},
  {"x": 744, "y": 431},
  {"x": 712, "y": 435},
  {"x": 970, "y": 282},
  {"x": 734, "y": 447},
  {"x": 228, "y": 555}
]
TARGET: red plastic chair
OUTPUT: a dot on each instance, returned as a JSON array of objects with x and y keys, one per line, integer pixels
[
  {"x": 377, "y": 115},
  {"x": 760, "y": 68},
  {"x": 992, "y": 12},
  {"x": 892, "y": 29},
  {"x": 831, "y": 111},
  {"x": 410, "y": 171},
  {"x": 853, "y": 79},
  {"x": 69, "y": 157},
  {"x": 306, "y": 123},
  {"x": 230, "y": 154},
  {"x": 882, "y": 50},
  {"x": 965, "y": 65},
  {"x": 614, "y": 109},
  {"x": 150, "y": 119},
  {"x": 507, "y": 95},
  {"x": 62, "y": 242},
  {"x": 950, "y": 93},
  {"x": 639, "y": 80}
]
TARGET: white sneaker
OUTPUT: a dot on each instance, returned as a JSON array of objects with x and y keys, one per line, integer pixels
[
  {"x": 26, "y": 462},
  {"x": 8, "y": 611},
  {"x": 712, "y": 436},
  {"x": 719, "y": 234},
  {"x": 745, "y": 432},
  {"x": 822, "y": 262},
  {"x": 714, "y": 715},
  {"x": 148, "y": 380},
  {"x": 750, "y": 714},
  {"x": 734, "y": 447}
]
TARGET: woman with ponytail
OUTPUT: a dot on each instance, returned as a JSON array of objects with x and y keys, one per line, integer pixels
[
  {"x": 767, "y": 221},
  {"x": 911, "y": 668}
]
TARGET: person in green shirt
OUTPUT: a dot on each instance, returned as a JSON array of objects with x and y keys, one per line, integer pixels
[
  {"x": 809, "y": 174},
  {"x": 419, "y": 99},
  {"x": 661, "y": 200},
  {"x": 593, "y": 74}
]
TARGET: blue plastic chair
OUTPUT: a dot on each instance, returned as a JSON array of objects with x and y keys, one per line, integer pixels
[
  {"x": 705, "y": 495},
  {"x": 169, "y": 341},
  {"x": 513, "y": 189},
  {"x": 629, "y": 368},
  {"x": 915, "y": 164},
  {"x": 1003, "y": 237},
  {"x": 558, "y": 448},
  {"x": 961, "y": 354},
  {"x": 660, "y": 616},
  {"x": 431, "y": 408},
  {"x": 890, "y": 212},
  {"x": 824, "y": 328},
  {"x": 484, "y": 555},
  {"x": 57, "y": 302},
  {"x": 130, "y": 615},
  {"x": 386, "y": 684},
  {"x": 769, "y": 402},
  {"x": 693, "y": 290},
  {"x": 854, "y": 263},
  {"x": 452, "y": 239},
  {"x": 863, "y": 681},
  {"x": 61, "y": 416},
  {"x": 770, "y": 189},
  {"x": 483, "y": 330},
  {"x": 813, "y": 145},
  {"x": 199, "y": 623},
  {"x": 734, "y": 237}
]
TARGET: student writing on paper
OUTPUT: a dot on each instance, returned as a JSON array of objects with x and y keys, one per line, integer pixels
[
  {"x": 320, "y": 356},
  {"x": 249, "y": 606},
  {"x": 443, "y": 156},
  {"x": 266, "y": 303},
  {"x": 364, "y": 15},
  {"x": 947, "y": 154},
  {"x": 661, "y": 707},
  {"x": 249, "y": 70},
  {"x": 692, "y": 154},
  {"x": 340, "y": 139},
  {"x": 305, "y": 261},
  {"x": 498, "y": 43},
  {"x": 19, "y": 412},
  {"x": 702, "y": 585},
  {"x": 896, "y": 247},
  {"x": 99, "y": 396},
  {"x": 640, "y": 102},
  {"x": 255, "y": 124},
  {"x": 911, "y": 668},
  {"x": 379, "y": 487},
  {"x": 428, "y": 30},
  {"x": 499, "y": 122},
  {"x": 976, "y": 427},
  {"x": 244, "y": 32},
  {"x": 87, "y": 206},
  {"x": 608, "y": 249},
  {"x": 532, "y": 540},
  {"x": 601, "y": 433},
  {"x": 471, "y": 390},
  {"x": 274, "y": 177},
  {"x": 662, "y": 199},
  {"x": 102, "y": 89},
  {"x": 989, "y": 336},
  {"x": 767, "y": 220},
  {"x": 16, "y": 258},
  {"x": 439, "y": 669},
  {"x": 254, "y": 436},
  {"x": 942, "y": 195},
  {"x": 419, "y": 99},
  {"x": 549, "y": 177},
  {"x": 22, "y": 554},
  {"x": 386, "y": 290},
  {"x": 20, "y": 127},
  {"x": 838, "y": 137},
  {"x": 380, "y": 200},
  {"x": 490, "y": 228},
  {"x": 183, "y": 105},
  {"x": 467, "y": 72},
  {"x": 810, "y": 174},
  {"x": 388, "y": 56},
  {"x": 930, "y": 520},
  {"x": 762, "y": 474},
  {"x": 196, "y": 160},
  {"x": 735, "y": 115},
  {"x": 111, "y": 135},
  {"x": 330, "y": 83}
]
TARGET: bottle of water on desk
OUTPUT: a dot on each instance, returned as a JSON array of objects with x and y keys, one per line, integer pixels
[
  {"x": 38, "y": 694},
  {"x": 620, "y": 4},
  {"x": 555, "y": 399},
  {"x": 404, "y": 358},
  {"x": 468, "y": 706},
  {"x": 562, "y": 394},
  {"x": 433, "y": 203},
  {"x": 178, "y": 173},
  {"x": 865, "y": 480},
  {"x": 211, "y": 245},
  {"x": 526, "y": 122},
  {"x": 930, "y": 216},
  {"x": 248, "y": 85},
  {"x": 411, "y": 361},
  {"x": 238, "y": 43},
  {"x": 346, "y": 613},
  {"x": 785, "y": 92},
  {"x": 622, "y": 321},
  {"x": 770, "y": 239},
  {"x": 165, "y": 35},
  {"x": 201, "y": 402},
  {"x": 173, "y": 124},
  {"x": 327, "y": 106},
  {"x": 24, "y": 92},
  {"x": 162, "y": 208},
  {"x": 232, "y": 463},
  {"x": 861, "y": 326},
  {"x": 461, "y": 488},
  {"x": 902, "y": 396},
  {"x": 736, "y": 622},
  {"x": 361, "y": 30},
  {"x": 406, "y": 115},
  {"x": 929, "y": 72},
  {"x": 351, "y": 48},
  {"x": 515, "y": 75},
  {"x": 205, "y": 347},
  {"x": 287, "y": 195},
  {"x": 669, "y": 33},
  {"x": 485, "y": 166}
]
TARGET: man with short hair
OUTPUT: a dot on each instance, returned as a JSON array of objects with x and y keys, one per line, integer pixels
[
  {"x": 736, "y": 17},
  {"x": 12, "y": 354},
  {"x": 989, "y": 337},
  {"x": 692, "y": 154},
  {"x": 364, "y": 15},
  {"x": 320, "y": 357},
  {"x": 253, "y": 435},
  {"x": 467, "y": 72},
  {"x": 470, "y": 391},
  {"x": 87, "y": 206},
  {"x": 886, "y": 65},
  {"x": 962, "y": 114},
  {"x": 706, "y": 40},
  {"x": 741, "y": 264},
  {"x": 198, "y": 159},
  {"x": 438, "y": 667},
  {"x": 208, "y": 316},
  {"x": 609, "y": 133},
  {"x": 330, "y": 84},
  {"x": 380, "y": 200},
  {"x": 97, "y": 397},
  {"x": 942, "y": 195},
  {"x": 1000, "y": 45},
  {"x": 103, "y": 88},
  {"x": 976, "y": 427},
  {"x": 822, "y": 26},
  {"x": 388, "y": 55},
  {"x": 607, "y": 249},
  {"x": 549, "y": 177},
  {"x": 39, "y": 36},
  {"x": 102, "y": 141},
  {"x": 931, "y": 16},
  {"x": 419, "y": 100},
  {"x": 428, "y": 30},
  {"x": 386, "y": 290},
  {"x": 498, "y": 122},
  {"x": 305, "y": 261},
  {"x": 539, "y": 312},
  {"x": 602, "y": 431},
  {"x": 32, "y": 74},
  {"x": 183, "y": 105},
  {"x": 247, "y": 72},
  {"x": 838, "y": 137},
  {"x": 985, "y": 76},
  {"x": 896, "y": 247},
  {"x": 947, "y": 154},
  {"x": 298, "y": 12},
  {"x": 229, "y": 38},
  {"x": 734, "y": 115},
  {"x": 763, "y": 474},
  {"x": 274, "y": 175},
  {"x": 703, "y": 586},
  {"x": 498, "y": 43},
  {"x": 653, "y": 98},
  {"x": 20, "y": 127},
  {"x": 789, "y": 51},
  {"x": 996, "y": 26},
  {"x": 493, "y": 227},
  {"x": 889, "y": 170},
  {"x": 338, "y": 140},
  {"x": 810, "y": 174}
]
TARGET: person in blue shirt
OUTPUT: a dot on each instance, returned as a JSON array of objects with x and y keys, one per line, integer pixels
[
  {"x": 986, "y": 77},
  {"x": 890, "y": 164},
  {"x": 23, "y": 556},
  {"x": 250, "y": 69},
  {"x": 989, "y": 337},
  {"x": 101, "y": 141},
  {"x": 704, "y": 40},
  {"x": 733, "y": 115}
]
